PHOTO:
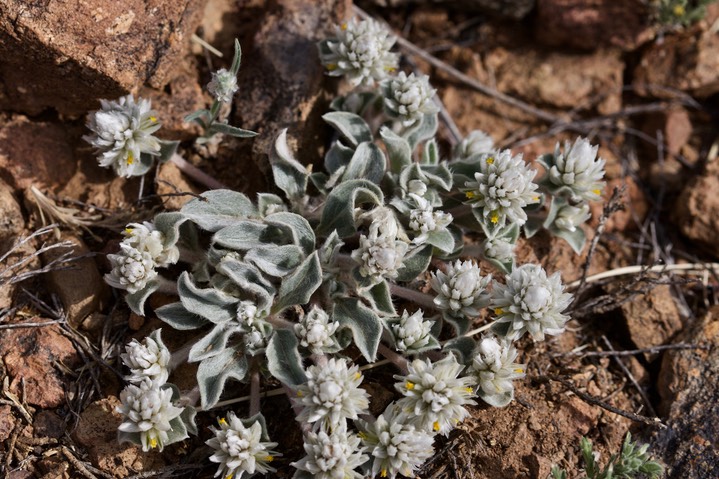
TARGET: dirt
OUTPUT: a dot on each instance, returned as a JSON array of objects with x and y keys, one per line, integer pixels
[{"x": 570, "y": 59}]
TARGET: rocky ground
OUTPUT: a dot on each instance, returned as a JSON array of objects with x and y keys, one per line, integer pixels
[{"x": 529, "y": 72}]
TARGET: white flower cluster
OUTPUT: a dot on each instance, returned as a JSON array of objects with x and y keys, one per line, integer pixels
[
  {"x": 571, "y": 217},
  {"x": 476, "y": 143},
  {"x": 223, "y": 85},
  {"x": 380, "y": 254},
  {"x": 316, "y": 332},
  {"x": 408, "y": 98},
  {"x": 495, "y": 369},
  {"x": 147, "y": 359},
  {"x": 424, "y": 220},
  {"x": 148, "y": 411},
  {"x": 332, "y": 394},
  {"x": 240, "y": 449},
  {"x": 435, "y": 395},
  {"x": 502, "y": 188},
  {"x": 123, "y": 130},
  {"x": 361, "y": 52},
  {"x": 412, "y": 332},
  {"x": 530, "y": 302},
  {"x": 461, "y": 289},
  {"x": 396, "y": 446},
  {"x": 141, "y": 251},
  {"x": 498, "y": 249},
  {"x": 336, "y": 455},
  {"x": 578, "y": 169}
]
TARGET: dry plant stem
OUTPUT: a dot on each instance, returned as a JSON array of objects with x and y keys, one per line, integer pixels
[
  {"x": 79, "y": 466},
  {"x": 469, "y": 81},
  {"x": 393, "y": 357},
  {"x": 254, "y": 387},
  {"x": 196, "y": 174},
  {"x": 588, "y": 398},
  {"x": 420, "y": 299},
  {"x": 279, "y": 323},
  {"x": 180, "y": 356},
  {"x": 633, "y": 352},
  {"x": 686, "y": 268}
]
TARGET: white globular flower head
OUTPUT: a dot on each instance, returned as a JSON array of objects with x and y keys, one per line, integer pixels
[
  {"x": 498, "y": 249},
  {"x": 132, "y": 269},
  {"x": 147, "y": 409},
  {"x": 317, "y": 332},
  {"x": 145, "y": 237},
  {"x": 239, "y": 449},
  {"x": 494, "y": 368},
  {"x": 381, "y": 253},
  {"x": 424, "y": 220},
  {"x": 461, "y": 289},
  {"x": 361, "y": 52},
  {"x": 530, "y": 302},
  {"x": 336, "y": 455},
  {"x": 396, "y": 446},
  {"x": 579, "y": 169},
  {"x": 246, "y": 313},
  {"x": 254, "y": 339},
  {"x": 502, "y": 188},
  {"x": 146, "y": 360},
  {"x": 332, "y": 394},
  {"x": 122, "y": 130},
  {"x": 435, "y": 395},
  {"x": 223, "y": 85},
  {"x": 408, "y": 98},
  {"x": 570, "y": 217},
  {"x": 477, "y": 142},
  {"x": 412, "y": 332}
]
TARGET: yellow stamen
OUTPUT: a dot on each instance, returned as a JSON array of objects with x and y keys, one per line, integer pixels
[
  {"x": 229, "y": 476},
  {"x": 498, "y": 311},
  {"x": 490, "y": 160},
  {"x": 362, "y": 435},
  {"x": 494, "y": 218},
  {"x": 470, "y": 195},
  {"x": 383, "y": 473},
  {"x": 299, "y": 394},
  {"x": 269, "y": 458},
  {"x": 331, "y": 67},
  {"x": 390, "y": 69},
  {"x": 358, "y": 375},
  {"x": 435, "y": 426},
  {"x": 153, "y": 442},
  {"x": 456, "y": 421},
  {"x": 344, "y": 26},
  {"x": 469, "y": 390},
  {"x": 153, "y": 119},
  {"x": 519, "y": 371},
  {"x": 597, "y": 192},
  {"x": 536, "y": 198},
  {"x": 130, "y": 159},
  {"x": 222, "y": 421},
  {"x": 409, "y": 385},
  {"x": 679, "y": 11},
  {"x": 128, "y": 231}
]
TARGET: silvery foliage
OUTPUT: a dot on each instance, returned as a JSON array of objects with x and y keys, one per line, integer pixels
[
  {"x": 424, "y": 220},
  {"x": 360, "y": 51},
  {"x": 494, "y": 368},
  {"x": 435, "y": 395},
  {"x": 395, "y": 445},
  {"x": 317, "y": 332},
  {"x": 240, "y": 447},
  {"x": 530, "y": 302},
  {"x": 334, "y": 454},
  {"x": 223, "y": 85},
  {"x": 148, "y": 359},
  {"x": 476, "y": 143},
  {"x": 408, "y": 98},
  {"x": 122, "y": 135},
  {"x": 412, "y": 334}
]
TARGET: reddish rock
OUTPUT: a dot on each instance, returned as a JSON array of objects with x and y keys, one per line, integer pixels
[
  {"x": 170, "y": 181},
  {"x": 12, "y": 224},
  {"x": 7, "y": 422},
  {"x": 97, "y": 433},
  {"x": 697, "y": 209},
  {"x": 589, "y": 24},
  {"x": 68, "y": 54},
  {"x": 30, "y": 355},
  {"x": 48, "y": 424},
  {"x": 652, "y": 318}
]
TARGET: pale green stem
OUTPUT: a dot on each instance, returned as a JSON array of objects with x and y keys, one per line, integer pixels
[
  {"x": 420, "y": 299},
  {"x": 254, "y": 387},
  {"x": 196, "y": 174},
  {"x": 393, "y": 357}
]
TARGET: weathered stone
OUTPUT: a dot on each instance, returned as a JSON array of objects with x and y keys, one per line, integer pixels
[
  {"x": 35, "y": 153},
  {"x": 12, "y": 224},
  {"x": 97, "y": 433},
  {"x": 676, "y": 129},
  {"x": 30, "y": 354},
  {"x": 511, "y": 9},
  {"x": 171, "y": 181},
  {"x": 697, "y": 209},
  {"x": 68, "y": 54},
  {"x": 652, "y": 318},
  {"x": 589, "y": 24},
  {"x": 7, "y": 422},
  {"x": 48, "y": 424},
  {"x": 80, "y": 288},
  {"x": 689, "y": 387}
]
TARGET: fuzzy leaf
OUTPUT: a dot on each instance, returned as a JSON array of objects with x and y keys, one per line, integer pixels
[
  {"x": 380, "y": 299},
  {"x": 136, "y": 300},
  {"x": 463, "y": 347},
  {"x": 442, "y": 240},
  {"x": 169, "y": 225},
  {"x": 424, "y": 130},
  {"x": 283, "y": 359},
  {"x": 177, "y": 316},
  {"x": 237, "y": 58},
  {"x": 211, "y": 344},
  {"x": 298, "y": 287},
  {"x": 368, "y": 162},
  {"x": 209, "y": 303},
  {"x": 218, "y": 209},
  {"x": 250, "y": 279},
  {"x": 430, "y": 154},
  {"x": 496, "y": 400},
  {"x": 275, "y": 260},
  {"x": 398, "y": 149},
  {"x": 339, "y": 210},
  {"x": 267, "y": 200},
  {"x": 167, "y": 149},
  {"x": 415, "y": 264},
  {"x": 226, "y": 129},
  {"x": 337, "y": 157},
  {"x": 297, "y": 228},
  {"x": 351, "y": 126},
  {"x": 213, "y": 373},
  {"x": 243, "y": 235},
  {"x": 289, "y": 174},
  {"x": 365, "y": 325}
]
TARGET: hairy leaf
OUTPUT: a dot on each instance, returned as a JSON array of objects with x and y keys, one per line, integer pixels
[{"x": 283, "y": 359}]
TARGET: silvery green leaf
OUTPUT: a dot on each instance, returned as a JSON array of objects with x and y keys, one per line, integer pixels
[
  {"x": 146, "y": 164},
  {"x": 458, "y": 238},
  {"x": 365, "y": 325},
  {"x": 398, "y": 150},
  {"x": 380, "y": 299},
  {"x": 188, "y": 419},
  {"x": 533, "y": 224},
  {"x": 218, "y": 208},
  {"x": 209, "y": 303},
  {"x": 250, "y": 279},
  {"x": 421, "y": 131},
  {"x": 368, "y": 162},
  {"x": 350, "y": 126},
  {"x": 430, "y": 154},
  {"x": 355, "y": 102},
  {"x": 167, "y": 149},
  {"x": 283, "y": 359},
  {"x": 211, "y": 344},
  {"x": 136, "y": 300},
  {"x": 236, "y": 59},
  {"x": 275, "y": 260},
  {"x": 338, "y": 213},
  {"x": 459, "y": 323},
  {"x": 329, "y": 249},
  {"x": 169, "y": 225},
  {"x": 197, "y": 117},
  {"x": 319, "y": 181},
  {"x": 463, "y": 348},
  {"x": 439, "y": 175},
  {"x": 247, "y": 234},
  {"x": 338, "y": 156},
  {"x": 226, "y": 129},
  {"x": 289, "y": 174},
  {"x": 257, "y": 418},
  {"x": 213, "y": 373},
  {"x": 298, "y": 287},
  {"x": 442, "y": 240},
  {"x": 576, "y": 238},
  {"x": 296, "y": 228},
  {"x": 501, "y": 399},
  {"x": 501, "y": 329},
  {"x": 415, "y": 263},
  {"x": 265, "y": 201},
  {"x": 177, "y": 316}
]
